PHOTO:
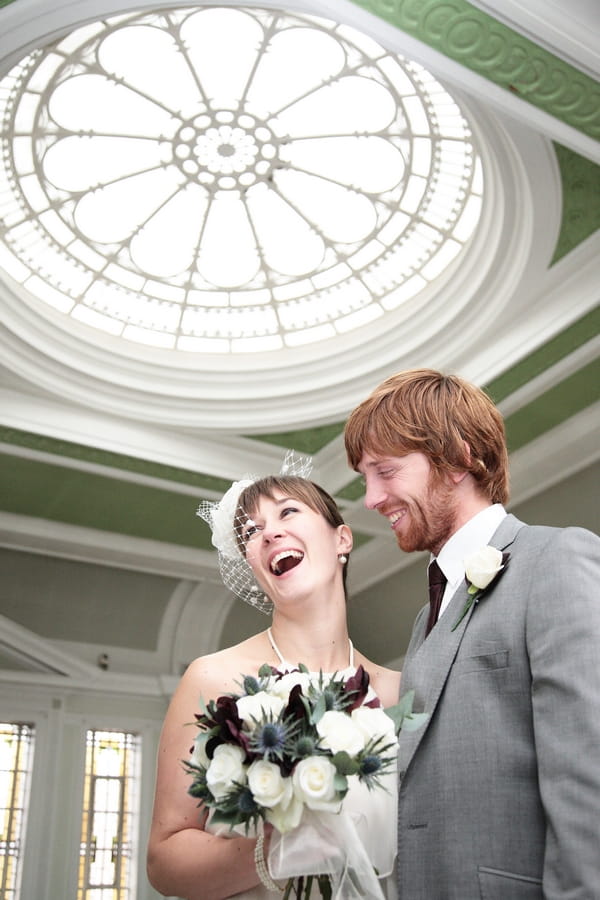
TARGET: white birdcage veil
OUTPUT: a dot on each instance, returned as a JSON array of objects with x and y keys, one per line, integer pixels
[{"x": 233, "y": 566}]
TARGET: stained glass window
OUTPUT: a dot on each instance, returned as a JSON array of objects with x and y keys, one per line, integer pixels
[
  {"x": 107, "y": 867},
  {"x": 16, "y": 759}
]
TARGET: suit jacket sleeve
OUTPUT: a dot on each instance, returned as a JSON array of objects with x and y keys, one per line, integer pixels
[{"x": 563, "y": 641}]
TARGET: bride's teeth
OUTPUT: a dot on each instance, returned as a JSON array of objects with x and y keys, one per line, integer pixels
[{"x": 285, "y": 554}]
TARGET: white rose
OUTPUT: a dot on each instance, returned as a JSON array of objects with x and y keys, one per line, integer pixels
[
  {"x": 199, "y": 757},
  {"x": 284, "y": 685},
  {"x": 258, "y": 706},
  {"x": 286, "y": 815},
  {"x": 374, "y": 723},
  {"x": 338, "y": 731},
  {"x": 313, "y": 781},
  {"x": 482, "y": 567},
  {"x": 267, "y": 784},
  {"x": 226, "y": 766}
]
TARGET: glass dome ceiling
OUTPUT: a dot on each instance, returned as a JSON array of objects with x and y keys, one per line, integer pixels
[{"x": 225, "y": 180}]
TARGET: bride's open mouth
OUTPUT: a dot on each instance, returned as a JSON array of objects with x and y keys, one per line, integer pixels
[{"x": 284, "y": 561}]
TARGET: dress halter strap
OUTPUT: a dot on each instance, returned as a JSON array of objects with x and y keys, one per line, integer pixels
[{"x": 285, "y": 663}]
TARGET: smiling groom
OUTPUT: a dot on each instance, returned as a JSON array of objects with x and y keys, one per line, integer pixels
[{"x": 499, "y": 794}]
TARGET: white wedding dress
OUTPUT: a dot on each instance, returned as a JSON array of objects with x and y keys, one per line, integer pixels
[{"x": 373, "y": 812}]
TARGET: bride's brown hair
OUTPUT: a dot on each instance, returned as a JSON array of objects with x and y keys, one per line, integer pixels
[{"x": 454, "y": 423}]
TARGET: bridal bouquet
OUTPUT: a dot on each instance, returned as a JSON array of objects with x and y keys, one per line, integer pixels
[{"x": 283, "y": 749}]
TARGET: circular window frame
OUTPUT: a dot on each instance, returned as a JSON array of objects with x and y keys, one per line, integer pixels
[{"x": 311, "y": 383}]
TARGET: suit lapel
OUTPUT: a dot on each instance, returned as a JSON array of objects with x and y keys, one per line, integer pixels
[{"x": 429, "y": 660}]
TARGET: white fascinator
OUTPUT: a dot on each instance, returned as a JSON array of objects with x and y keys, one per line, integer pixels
[{"x": 220, "y": 516}]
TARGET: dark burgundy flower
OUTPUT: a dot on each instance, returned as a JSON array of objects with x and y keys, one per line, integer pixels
[{"x": 357, "y": 686}]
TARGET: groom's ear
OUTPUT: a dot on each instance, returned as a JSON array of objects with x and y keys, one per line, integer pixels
[{"x": 458, "y": 475}]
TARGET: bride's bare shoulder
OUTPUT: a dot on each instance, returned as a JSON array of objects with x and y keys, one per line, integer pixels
[{"x": 223, "y": 671}]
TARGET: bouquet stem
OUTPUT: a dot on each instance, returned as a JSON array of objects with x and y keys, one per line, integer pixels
[{"x": 302, "y": 887}]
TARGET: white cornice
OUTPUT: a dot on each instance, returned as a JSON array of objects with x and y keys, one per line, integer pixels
[
  {"x": 89, "y": 545},
  {"x": 40, "y": 654}
]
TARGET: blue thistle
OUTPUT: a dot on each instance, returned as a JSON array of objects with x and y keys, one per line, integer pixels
[
  {"x": 370, "y": 765},
  {"x": 273, "y": 739},
  {"x": 270, "y": 739}
]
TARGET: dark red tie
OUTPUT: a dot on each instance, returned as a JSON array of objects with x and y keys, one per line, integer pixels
[{"x": 437, "y": 585}]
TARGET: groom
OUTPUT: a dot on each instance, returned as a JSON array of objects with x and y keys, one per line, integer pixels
[{"x": 500, "y": 790}]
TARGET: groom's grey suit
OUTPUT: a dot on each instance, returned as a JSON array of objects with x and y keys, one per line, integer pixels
[{"x": 500, "y": 790}]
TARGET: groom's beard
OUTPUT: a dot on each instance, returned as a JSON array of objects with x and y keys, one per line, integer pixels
[{"x": 430, "y": 519}]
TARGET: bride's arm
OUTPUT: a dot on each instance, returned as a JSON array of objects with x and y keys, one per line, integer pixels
[{"x": 184, "y": 860}]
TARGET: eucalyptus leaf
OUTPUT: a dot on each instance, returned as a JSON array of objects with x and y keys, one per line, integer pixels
[
  {"x": 414, "y": 721},
  {"x": 340, "y": 783},
  {"x": 251, "y": 685},
  {"x": 319, "y": 710},
  {"x": 400, "y": 710}
]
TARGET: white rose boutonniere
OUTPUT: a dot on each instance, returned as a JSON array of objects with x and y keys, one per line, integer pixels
[{"x": 482, "y": 569}]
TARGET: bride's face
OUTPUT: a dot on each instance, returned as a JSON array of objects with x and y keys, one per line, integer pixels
[{"x": 293, "y": 550}]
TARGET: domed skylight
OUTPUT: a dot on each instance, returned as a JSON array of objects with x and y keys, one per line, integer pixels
[{"x": 223, "y": 180}]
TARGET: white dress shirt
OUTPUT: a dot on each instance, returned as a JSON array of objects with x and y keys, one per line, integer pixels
[{"x": 474, "y": 535}]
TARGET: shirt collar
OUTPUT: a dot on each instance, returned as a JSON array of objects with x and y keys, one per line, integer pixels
[{"x": 473, "y": 535}]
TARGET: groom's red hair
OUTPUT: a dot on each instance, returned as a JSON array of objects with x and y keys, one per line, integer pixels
[{"x": 421, "y": 410}]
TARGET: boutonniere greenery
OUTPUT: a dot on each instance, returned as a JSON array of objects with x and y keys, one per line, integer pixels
[{"x": 482, "y": 570}]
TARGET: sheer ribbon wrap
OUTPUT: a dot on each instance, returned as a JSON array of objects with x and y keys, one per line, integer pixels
[{"x": 327, "y": 844}]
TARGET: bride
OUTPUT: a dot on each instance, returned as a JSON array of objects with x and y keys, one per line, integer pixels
[{"x": 289, "y": 552}]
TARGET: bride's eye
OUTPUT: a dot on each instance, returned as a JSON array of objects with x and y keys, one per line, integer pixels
[
  {"x": 288, "y": 509},
  {"x": 250, "y": 529}
]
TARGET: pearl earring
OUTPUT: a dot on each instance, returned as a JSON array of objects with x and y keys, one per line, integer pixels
[{"x": 343, "y": 558}]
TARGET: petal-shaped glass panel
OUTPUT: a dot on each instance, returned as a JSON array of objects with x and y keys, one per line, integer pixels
[
  {"x": 114, "y": 212},
  {"x": 290, "y": 244},
  {"x": 297, "y": 62},
  {"x": 95, "y": 103},
  {"x": 157, "y": 68},
  {"x": 228, "y": 252},
  {"x": 351, "y": 105},
  {"x": 222, "y": 65},
  {"x": 339, "y": 213},
  {"x": 80, "y": 163},
  {"x": 344, "y": 160},
  {"x": 168, "y": 242}
]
